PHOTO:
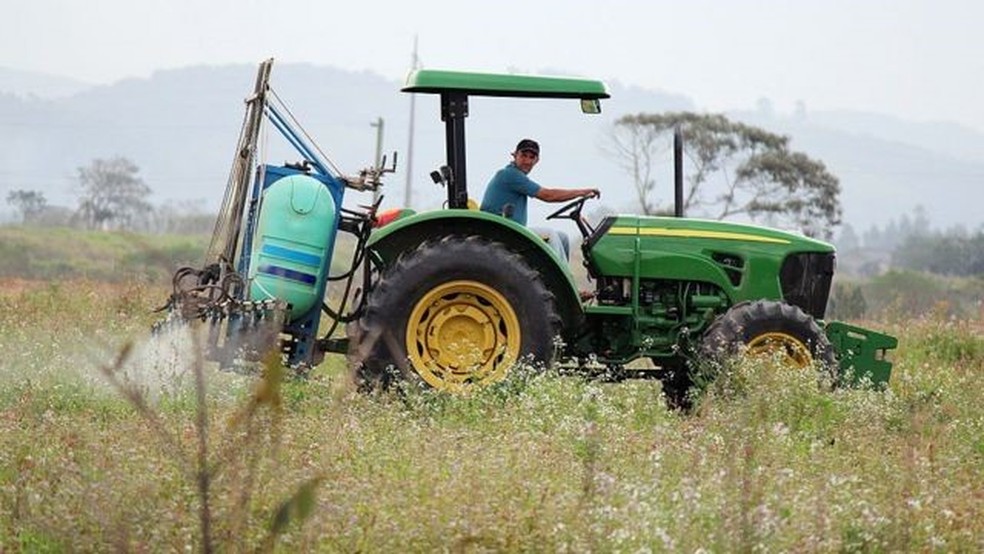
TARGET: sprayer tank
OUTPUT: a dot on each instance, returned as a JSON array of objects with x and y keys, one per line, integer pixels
[{"x": 294, "y": 237}]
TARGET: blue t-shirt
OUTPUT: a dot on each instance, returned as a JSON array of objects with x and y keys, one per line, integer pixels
[{"x": 509, "y": 185}]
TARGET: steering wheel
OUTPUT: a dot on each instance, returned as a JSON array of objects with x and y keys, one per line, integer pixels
[{"x": 572, "y": 211}]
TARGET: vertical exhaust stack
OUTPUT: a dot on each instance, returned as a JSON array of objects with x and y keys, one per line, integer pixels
[{"x": 677, "y": 172}]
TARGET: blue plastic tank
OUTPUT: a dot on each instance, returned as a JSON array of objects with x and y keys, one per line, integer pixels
[{"x": 295, "y": 231}]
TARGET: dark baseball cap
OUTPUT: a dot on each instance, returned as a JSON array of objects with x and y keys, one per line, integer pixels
[{"x": 529, "y": 145}]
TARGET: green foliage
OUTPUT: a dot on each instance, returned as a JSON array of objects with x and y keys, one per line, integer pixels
[
  {"x": 541, "y": 462},
  {"x": 38, "y": 543},
  {"x": 901, "y": 294},
  {"x": 846, "y": 302},
  {"x": 160, "y": 260},
  {"x": 949, "y": 342},
  {"x": 791, "y": 186},
  {"x": 297, "y": 508},
  {"x": 57, "y": 253}
]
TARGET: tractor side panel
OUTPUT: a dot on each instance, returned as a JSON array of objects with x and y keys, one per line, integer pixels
[{"x": 663, "y": 280}]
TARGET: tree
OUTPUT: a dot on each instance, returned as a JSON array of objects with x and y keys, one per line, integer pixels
[
  {"x": 760, "y": 177},
  {"x": 112, "y": 196},
  {"x": 635, "y": 148},
  {"x": 30, "y": 203}
]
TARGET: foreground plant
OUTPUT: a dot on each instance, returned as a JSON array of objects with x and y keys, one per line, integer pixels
[{"x": 211, "y": 456}]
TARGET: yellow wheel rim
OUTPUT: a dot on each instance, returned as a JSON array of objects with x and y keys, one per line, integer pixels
[
  {"x": 462, "y": 333},
  {"x": 790, "y": 350}
]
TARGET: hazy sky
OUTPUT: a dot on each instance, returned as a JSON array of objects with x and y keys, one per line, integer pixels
[{"x": 919, "y": 59}]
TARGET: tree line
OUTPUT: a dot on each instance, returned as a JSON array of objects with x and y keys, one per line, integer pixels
[{"x": 907, "y": 268}]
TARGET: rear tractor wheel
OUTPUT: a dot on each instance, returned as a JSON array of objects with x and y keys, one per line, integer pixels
[{"x": 452, "y": 314}]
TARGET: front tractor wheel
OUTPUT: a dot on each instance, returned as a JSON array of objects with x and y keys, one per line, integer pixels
[
  {"x": 773, "y": 329},
  {"x": 453, "y": 313}
]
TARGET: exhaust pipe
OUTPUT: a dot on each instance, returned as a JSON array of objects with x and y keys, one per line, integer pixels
[{"x": 677, "y": 172}]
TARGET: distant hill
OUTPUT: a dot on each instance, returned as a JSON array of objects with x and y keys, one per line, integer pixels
[
  {"x": 180, "y": 127},
  {"x": 38, "y": 85},
  {"x": 954, "y": 139},
  {"x": 887, "y": 166}
]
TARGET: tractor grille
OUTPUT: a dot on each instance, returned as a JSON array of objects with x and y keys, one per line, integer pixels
[{"x": 805, "y": 280}]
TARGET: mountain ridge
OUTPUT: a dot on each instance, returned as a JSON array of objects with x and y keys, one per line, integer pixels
[{"x": 180, "y": 127}]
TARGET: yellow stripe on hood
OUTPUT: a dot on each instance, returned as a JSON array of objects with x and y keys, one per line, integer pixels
[{"x": 693, "y": 234}]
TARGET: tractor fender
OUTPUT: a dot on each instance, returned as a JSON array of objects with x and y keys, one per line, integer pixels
[{"x": 405, "y": 234}]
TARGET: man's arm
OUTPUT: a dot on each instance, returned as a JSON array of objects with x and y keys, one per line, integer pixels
[{"x": 563, "y": 195}]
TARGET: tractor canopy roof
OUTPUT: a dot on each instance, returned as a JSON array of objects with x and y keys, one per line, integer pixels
[{"x": 436, "y": 81}]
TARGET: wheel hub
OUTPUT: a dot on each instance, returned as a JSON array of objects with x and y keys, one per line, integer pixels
[
  {"x": 462, "y": 333},
  {"x": 790, "y": 350}
]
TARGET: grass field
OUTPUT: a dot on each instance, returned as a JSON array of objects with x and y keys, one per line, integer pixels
[
  {"x": 768, "y": 462},
  {"x": 49, "y": 253}
]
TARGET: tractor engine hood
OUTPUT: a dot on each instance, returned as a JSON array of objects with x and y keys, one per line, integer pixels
[{"x": 745, "y": 262}]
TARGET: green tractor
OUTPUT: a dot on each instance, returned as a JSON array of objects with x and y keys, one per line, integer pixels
[
  {"x": 456, "y": 298},
  {"x": 463, "y": 295}
]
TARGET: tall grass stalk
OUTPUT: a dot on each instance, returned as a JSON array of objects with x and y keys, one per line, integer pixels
[{"x": 244, "y": 437}]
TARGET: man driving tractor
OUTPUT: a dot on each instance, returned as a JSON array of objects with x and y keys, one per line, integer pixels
[{"x": 509, "y": 188}]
